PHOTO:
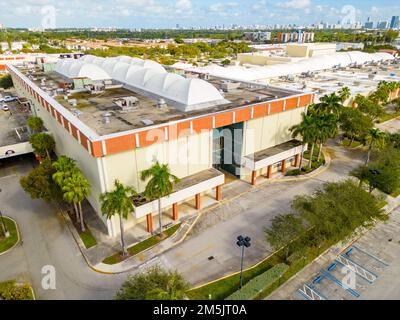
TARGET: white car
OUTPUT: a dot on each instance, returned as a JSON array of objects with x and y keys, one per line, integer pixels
[
  {"x": 9, "y": 98},
  {"x": 4, "y": 107}
]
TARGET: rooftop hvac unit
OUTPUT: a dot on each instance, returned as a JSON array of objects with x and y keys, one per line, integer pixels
[
  {"x": 161, "y": 104},
  {"x": 147, "y": 122},
  {"x": 106, "y": 117}
]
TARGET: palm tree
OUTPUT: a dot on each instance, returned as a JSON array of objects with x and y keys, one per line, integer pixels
[
  {"x": 174, "y": 288},
  {"x": 344, "y": 94},
  {"x": 161, "y": 184},
  {"x": 374, "y": 138},
  {"x": 307, "y": 130},
  {"x": 65, "y": 168},
  {"x": 118, "y": 202},
  {"x": 327, "y": 127},
  {"x": 75, "y": 189},
  {"x": 43, "y": 144},
  {"x": 330, "y": 104}
]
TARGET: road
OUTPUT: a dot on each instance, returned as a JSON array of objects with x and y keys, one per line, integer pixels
[
  {"x": 47, "y": 241},
  {"x": 249, "y": 215}
]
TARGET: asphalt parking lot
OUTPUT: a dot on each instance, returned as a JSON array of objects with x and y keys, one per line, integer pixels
[{"x": 375, "y": 258}]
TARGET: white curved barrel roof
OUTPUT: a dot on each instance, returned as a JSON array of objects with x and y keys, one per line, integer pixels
[
  {"x": 318, "y": 63},
  {"x": 147, "y": 76}
]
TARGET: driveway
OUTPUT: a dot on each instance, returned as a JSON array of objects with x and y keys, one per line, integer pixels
[
  {"x": 47, "y": 241},
  {"x": 248, "y": 215}
]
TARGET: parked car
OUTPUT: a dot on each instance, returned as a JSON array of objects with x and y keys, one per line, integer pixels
[
  {"x": 10, "y": 98},
  {"x": 4, "y": 107}
]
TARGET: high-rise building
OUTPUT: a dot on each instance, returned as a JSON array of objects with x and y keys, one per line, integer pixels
[
  {"x": 394, "y": 23},
  {"x": 382, "y": 25},
  {"x": 369, "y": 24}
]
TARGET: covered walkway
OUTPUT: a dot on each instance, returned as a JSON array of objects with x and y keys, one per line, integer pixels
[
  {"x": 276, "y": 158},
  {"x": 188, "y": 189}
]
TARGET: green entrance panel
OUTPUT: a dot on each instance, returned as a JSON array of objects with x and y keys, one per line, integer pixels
[{"x": 227, "y": 148}]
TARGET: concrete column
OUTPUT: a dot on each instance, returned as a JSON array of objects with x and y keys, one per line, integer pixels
[
  {"x": 198, "y": 205},
  {"x": 297, "y": 160},
  {"x": 149, "y": 219},
  {"x": 218, "y": 193},
  {"x": 175, "y": 214},
  {"x": 269, "y": 172},
  {"x": 283, "y": 167},
  {"x": 254, "y": 177}
]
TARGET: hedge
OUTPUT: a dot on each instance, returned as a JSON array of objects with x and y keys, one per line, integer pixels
[
  {"x": 11, "y": 290},
  {"x": 258, "y": 284}
]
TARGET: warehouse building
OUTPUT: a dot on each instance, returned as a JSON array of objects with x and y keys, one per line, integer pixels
[{"x": 116, "y": 116}]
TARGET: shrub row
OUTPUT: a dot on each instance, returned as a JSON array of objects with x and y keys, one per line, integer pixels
[
  {"x": 10, "y": 290},
  {"x": 253, "y": 288}
]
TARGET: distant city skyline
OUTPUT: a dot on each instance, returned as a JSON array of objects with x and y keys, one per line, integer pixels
[{"x": 189, "y": 13}]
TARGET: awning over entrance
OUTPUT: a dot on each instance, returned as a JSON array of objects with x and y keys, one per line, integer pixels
[
  {"x": 266, "y": 157},
  {"x": 188, "y": 187}
]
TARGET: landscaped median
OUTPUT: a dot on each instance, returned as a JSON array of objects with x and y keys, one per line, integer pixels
[
  {"x": 275, "y": 272},
  {"x": 142, "y": 246},
  {"x": 13, "y": 238},
  {"x": 86, "y": 236},
  {"x": 11, "y": 290}
]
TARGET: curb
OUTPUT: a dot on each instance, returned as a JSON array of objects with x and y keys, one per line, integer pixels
[
  {"x": 201, "y": 213},
  {"x": 18, "y": 236},
  {"x": 357, "y": 236}
]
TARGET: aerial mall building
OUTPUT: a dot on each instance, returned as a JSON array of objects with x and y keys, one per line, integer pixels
[{"x": 116, "y": 116}]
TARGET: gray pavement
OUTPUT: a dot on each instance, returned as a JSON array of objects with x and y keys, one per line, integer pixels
[
  {"x": 382, "y": 242},
  {"x": 248, "y": 215},
  {"x": 48, "y": 241}
]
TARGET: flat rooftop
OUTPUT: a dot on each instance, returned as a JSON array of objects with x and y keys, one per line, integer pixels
[
  {"x": 269, "y": 152},
  {"x": 90, "y": 107},
  {"x": 13, "y": 122},
  {"x": 359, "y": 80}
]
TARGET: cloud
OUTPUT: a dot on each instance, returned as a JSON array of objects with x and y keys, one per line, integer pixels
[
  {"x": 184, "y": 6},
  {"x": 294, "y": 4}
]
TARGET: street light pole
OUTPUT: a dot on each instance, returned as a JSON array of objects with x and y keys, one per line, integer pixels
[
  {"x": 5, "y": 231},
  {"x": 242, "y": 242}
]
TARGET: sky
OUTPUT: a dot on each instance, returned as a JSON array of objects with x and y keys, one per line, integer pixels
[{"x": 187, "y": 13}]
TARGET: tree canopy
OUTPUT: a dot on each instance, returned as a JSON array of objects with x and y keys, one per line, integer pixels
[{"x": 154, "y": 284}]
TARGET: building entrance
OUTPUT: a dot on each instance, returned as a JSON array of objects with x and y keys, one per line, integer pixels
[{"x": 227, "y": 148}]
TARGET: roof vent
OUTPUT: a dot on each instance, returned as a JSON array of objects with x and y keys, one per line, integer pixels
[
  {"x": 161, "y": 104},
  {"x": 106, "y": 117},
  {"x": 147, "y": 122}
]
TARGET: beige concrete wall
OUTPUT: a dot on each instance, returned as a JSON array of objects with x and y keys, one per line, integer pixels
[
  {"x": 266, "y": 132},
  {"x": 185, "y": 156},
  {"x": 67, "y": 145},
  {"x": 261, "y": 60}
]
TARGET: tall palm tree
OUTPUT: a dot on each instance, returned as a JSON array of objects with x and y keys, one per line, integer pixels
[
  {"x": 330, "y": 104},
  {"x": 118, "y": 202},
  {"x": 327, "y": 127},
  {"x": 65, "y": 168},
  {"x": 307, "y": 129},
  {"x": 75, "y": 189},
  {"x": 344, "y": 94},
  {"x": 374, "y": 138},
  {"x": 161, "y": 184}
]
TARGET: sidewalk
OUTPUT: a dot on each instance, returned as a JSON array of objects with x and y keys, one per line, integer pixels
[{"x": 107, "y": 246}]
